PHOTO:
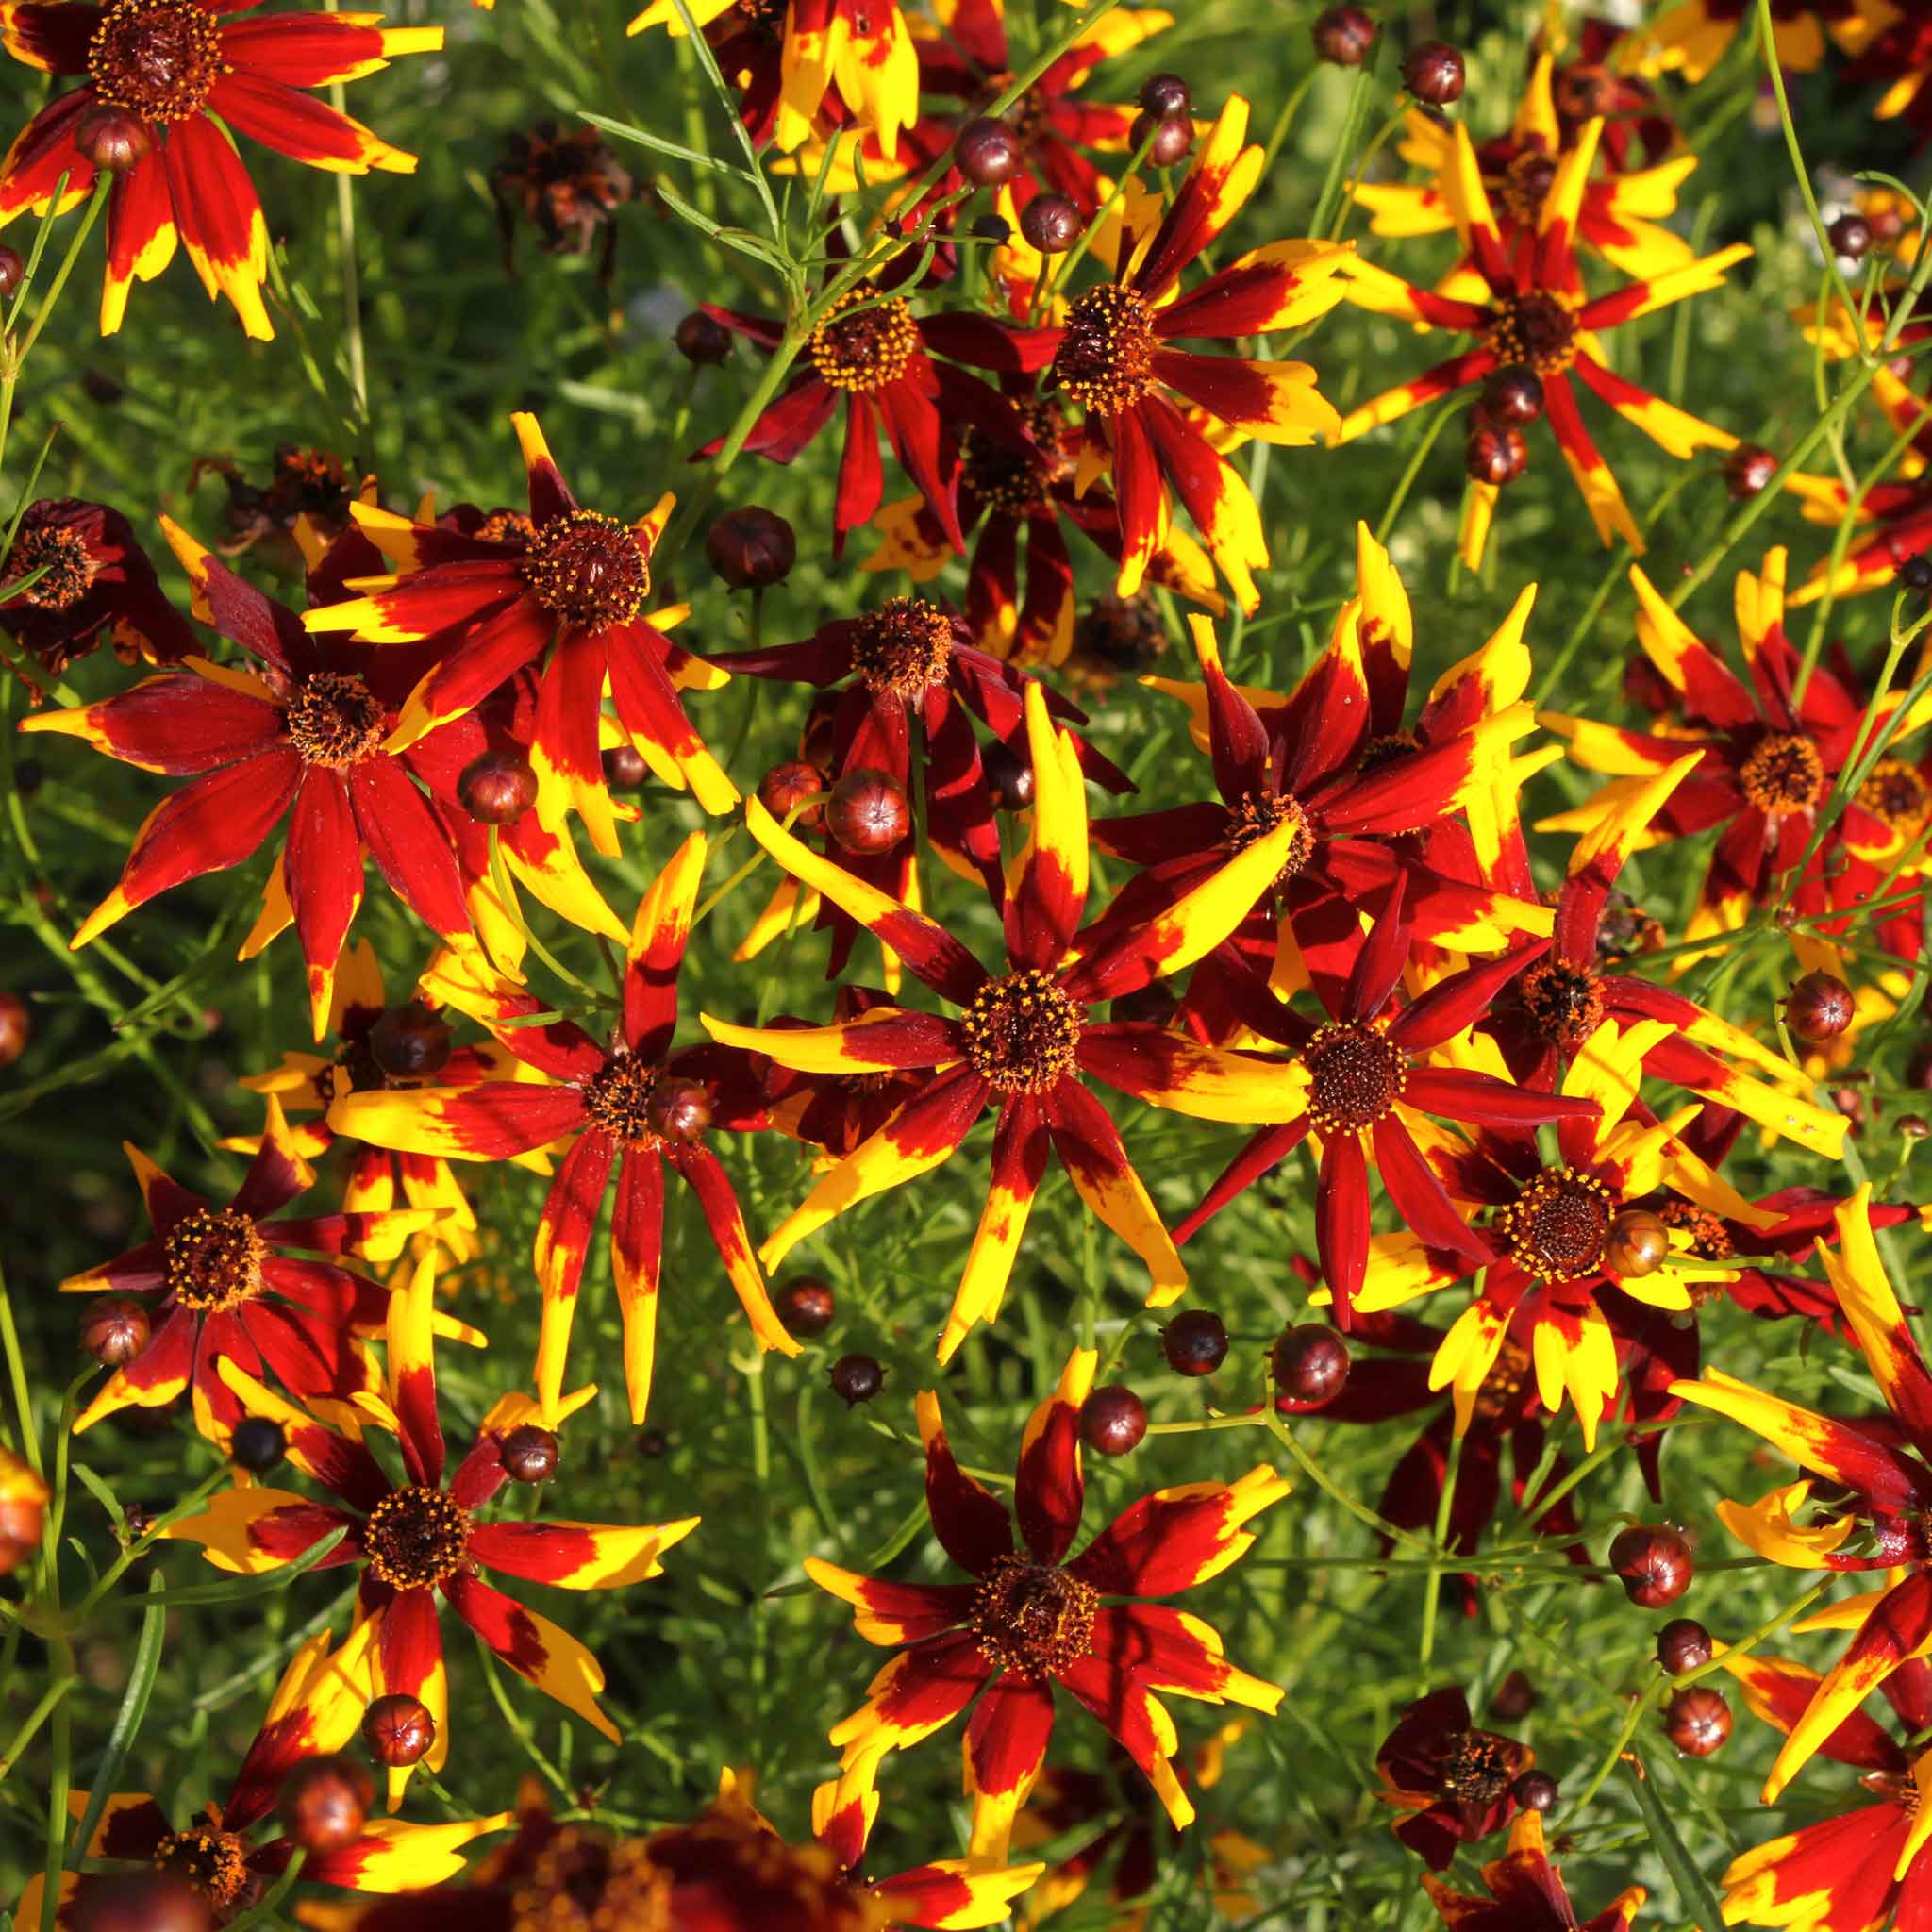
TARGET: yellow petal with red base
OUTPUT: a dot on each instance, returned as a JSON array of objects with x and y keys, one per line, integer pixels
[
  {"x": 1770, "y": 1527},
  {"x": 229, "y": 1530},
  {"x": 395, "y": 1856},
  {"x": 1465, "y": 1356}
]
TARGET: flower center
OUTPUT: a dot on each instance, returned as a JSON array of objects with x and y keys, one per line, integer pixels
[
  {"x": 1106, "y": 359},
  {"x": 416, "y": 1537},
  {"x": 1894, "y": 791},
  {"x": 868, "y": 350},
  {"x": 1525, "y": 184},
  {"x": 213, "y": 1258},
  {"x": 1021, "y": 1032},
  {"x": 1355, "y": 1076},
  {"x": 764, "y": 18},
  {"x": 1536, "y": 330},
  {"x": 62, "y": 555},
  {"x": 1004, "y": 480},
  {"x": 1384, "y": 751},
  {"x": 1557, "y": 1225},
  {"x": 157, "y": 58},
  {"x": 618, "y": 1098},
  {"x": 1033, "y": 1619},
  {"x": 214, "y": 1862},
  {"x": 1782, "y": 774},
  {"x": 1259, "y": 813},
  {"x": 580, "y": 1882},
  {"x": 1898, "y": 1788},
  {"x": 1502, "y": 1389},
  {"x": 1565, "y": 1005},
  {"x": 903, "y": 647},
  {"x": 515, "y": 527},
  {"x": 334, "y": 720},
  {"x": 1474, "y": 1765},
  {"x": 588, "y": 570},
  {"x": 1711, "y": 1239}
]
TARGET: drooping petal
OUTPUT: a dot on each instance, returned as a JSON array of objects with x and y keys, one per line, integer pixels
[{"x": 533, "y": 1647}]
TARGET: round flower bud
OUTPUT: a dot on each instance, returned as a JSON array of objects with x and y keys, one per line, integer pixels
[
  {"x": 1850, "y": 237},
  {"x": 986, "y": 151},
  {"x": 1819, "y": 1008},
  {"x": 1113, "y": 1419},
  {"x": 1748, "y": 469},
  {"x": 868, "y": 813},
  {"x": 805, "y": 1308},
  {"x": 1913, "y": 1126},
  {"x": 1513, "y": 397},
  {"x": 1344, "y": 36},
  {"x": 1915, "y": 573},
  {"x": 1495, "y": 454},
  {"x": 1697, "y": 1720},
  {"x": 701, "y": 338},
  {"x": 398, "y": 1729},
  {"x": 1683, "y": 1645},
  {"x": 1654, "y": 1563},
  {"x": 529, "y": 1454},
  {"x": 1051, "y": 223},
  {"x": 785, "y": 786},
  {"x": 1194, "y": 1344},
  {"x": 410, "y": 1041},
  {"x": 113, "y": 1329},
  {"x": 857, "y": 1378},
  {"x": 1434, "y": 72},
  {"x": 138, "y": 1902},
  {"x": 1515, "y": 1698},
  {"x": 110, "y": 139},
  {"x": 498, "y": 787},
  {"x": 257, "y": 1444},
  {"x": 679, "y": 1110},
  {"x": 1310, "y": 1364},
  {"x": 1164, "y": 95},
  {"x": 12, "y": 270},
  {"x": 1008, "y": 777},
  {"x": 994, "y": 228},
  {"x": 1535, "y": 1790},
  {"x": 16, "y": 1027},
  {"x": 324, "y": 1803},
  {"x": 1167, "y": 140},
  {"x": 1638, "y": 1244},
  {"x": 625, "y": 768},
  {"x": 751, "y": 548}
]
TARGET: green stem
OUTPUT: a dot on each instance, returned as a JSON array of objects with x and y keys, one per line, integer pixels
[{"x": 12, "y": 358}]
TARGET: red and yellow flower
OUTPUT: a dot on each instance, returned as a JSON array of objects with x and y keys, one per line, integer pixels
[
  {"x": 418, "y": 1542},
  {"x": 1690, "y": 37},
  {"x": 1538, "y": 317},
  {"x": 1031, "y": 1622},
  {"x": 1025, "y": 1040},
  {"x": 303, "y": 733},
  {"x": 634, "y": 1108},
  {"x": 1878, "y": 1521},
  {"x": 1525, "y": 1892},
  {"x": 566, "y": 585},
  {"x": 188, "y": 71},
  {"x": 1451, "y": 1779}
]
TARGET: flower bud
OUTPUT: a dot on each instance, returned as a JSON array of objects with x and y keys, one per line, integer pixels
[
  {"x": 324, "y": 1803},
  {"x": 1310, "y": 1364},
  {"x": 1344, "y": 36},
  {"x": 701, "y": 338},
  {"x": 1495, "y": 454},
  {"x": 110, "y": 139},
  {"x": 986, "y": 151},
  {"x": 1513, "y": 397},
  {"x": 257, "y": 1444},
  {"x": 1850, "y": 237},
  {"x": 1113, "y": 1419},
  {"x": 994, "y": 228},
  {"x": 22, "y": 1511},
  {"x": 1820, "y": 1006},
  {"x": 1008, "y": 777},
  {"x": 411, "y": 1042},
  {"x": 137, "y": 1901},
  {"x": 1194, "y": 1344},
  {"x": 625, "y": 768},
  {"x": 16, "y": 1027},
  {"x": 1697, "y": 1720},
  {"x": 1051, "y": 223},
  {"x": 12, "y": 271},
  {"x": 751, "y": 548},
  {"x": 398, "y": 1729},
  {"x": 1165, "y": 96},
  {"x": 1434, "y": 72},
  {"x": 1535, "y": 1790},
  {"x": 498, "y": 787},
  {"x": 679, "y": 1110},
  {"x": 1654, "y": 1563},
  {"x": 1683, "y": 1645},
  {"x": 1748, "y": 470},
  {"x": 1638, "y": 1244},
  {"x": 529, "y": 1454},
  {"x": 114, "y": 1329},
  {"x": 785, "y": 786},
  {"x": 1514, "y": 1698},
  {"x": 857, "y": 1378},
  {"x": 868, "y": 813},
  {"x": 805, "y": 1308},
  {"x": 1168, "y": 139}
]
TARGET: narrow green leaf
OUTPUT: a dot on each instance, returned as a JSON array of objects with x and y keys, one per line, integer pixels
[
  {"x": 1694, "y": 1895},
  {"x": 140, "y": 1684},
  {"x": 247, "y": 1587},
  {"x": 624, "y": 131}
]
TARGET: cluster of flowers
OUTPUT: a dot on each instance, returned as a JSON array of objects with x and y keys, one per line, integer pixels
[{"x": 1341, "y": 940}]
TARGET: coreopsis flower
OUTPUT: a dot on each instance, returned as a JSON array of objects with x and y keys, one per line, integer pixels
[
  {"x": 1537, "y": 317},
  {"x": 1857, "y": 1867},
  {"x": 86, "y": 577},
  {"x": 835, "y": 1111},
  {"x": 418, "y": 1542},
  {"x": 1451, "y": 1779},
  {"x": 566, "y": 185},
  {"x": 303, "y": 733},
  {"x": 1874, "y": 1513},
  {"x": 24, "y": 1498},
  {"x": 1892, "y": 49},
  {"x": 635, "y": 1107},
  {"x": 1617, "y": 217},
  {"x": 315, "y": 1711},
  {"x": 1007, "y": 496},
  {"x": 1031, "y": 1622},
  {"x": 1026, "y": 1042},
  {"x": 1333, "y": 763},
  {"x": 1117, "y": 357},
  {"x": 1367, "y": 1089},
  {"x": 566, "y": 585},
  {"x": 1767, "y": 761},
  {"x": 231, "y": 1283},
  {"x": 725, "y": 1871},
  {"x": 1589, "y": 86},
  {"x": 858, "y": 51},
  {"x": 188, "y": 71},
  {"x": 1548, "y": 1233},
  {"x": 1690, "y": 37},
  {"x": 303, "y": 485},
  {"x": 1554, "y": 1007},
  {"x": 882, "y": 359},
  {"x": 1525, "y": 1892}
]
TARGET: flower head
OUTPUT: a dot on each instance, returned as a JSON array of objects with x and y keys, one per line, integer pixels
[
  {"x": 1525, "y": 1892},
  {"x": 1451, "y": 1778}
]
